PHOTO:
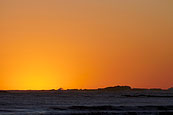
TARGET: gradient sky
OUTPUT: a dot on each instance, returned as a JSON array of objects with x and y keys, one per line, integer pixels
[{"x": 47, "y": 44}]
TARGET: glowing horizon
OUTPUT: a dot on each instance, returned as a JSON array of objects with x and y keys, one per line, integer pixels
[{"x": 85, "y": 44}]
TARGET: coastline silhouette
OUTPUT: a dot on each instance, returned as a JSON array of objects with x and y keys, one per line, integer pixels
[
  {"x": 111, "y": 88},
  {"x": 117, "y": 88}
]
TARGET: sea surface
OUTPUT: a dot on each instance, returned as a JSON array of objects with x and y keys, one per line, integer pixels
[{"x": 86, "y": 102}]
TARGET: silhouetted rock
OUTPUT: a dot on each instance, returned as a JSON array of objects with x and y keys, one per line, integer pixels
[
  {"x": 139, "y": 89},
  {"x": 72, "y": 90},
  {"x": 155, "y": 89},
  {"x": 170, "y": 89},
  {"x": 116, "y": 88},
  {"x": 60, "y": 89}
]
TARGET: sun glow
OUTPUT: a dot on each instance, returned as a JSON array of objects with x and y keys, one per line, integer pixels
[
  {"x": 33, "y": 77},
  {"x": 46, "y": 44}
]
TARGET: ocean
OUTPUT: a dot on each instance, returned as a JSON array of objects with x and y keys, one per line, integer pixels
[{"x": 86, "y": 102}]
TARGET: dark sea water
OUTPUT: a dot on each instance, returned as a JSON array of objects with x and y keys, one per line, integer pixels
[{"x": 86, "y": 102}]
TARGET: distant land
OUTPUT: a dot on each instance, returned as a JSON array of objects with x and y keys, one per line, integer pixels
[
  {"x": 113, "y": 88},
  {"x": 119, "y": 88}
]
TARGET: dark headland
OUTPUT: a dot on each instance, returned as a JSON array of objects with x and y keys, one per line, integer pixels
[{"x": 119, "y": 88}]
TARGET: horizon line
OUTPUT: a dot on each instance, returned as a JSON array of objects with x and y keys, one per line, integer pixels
[{"x": 62, "y": 89}]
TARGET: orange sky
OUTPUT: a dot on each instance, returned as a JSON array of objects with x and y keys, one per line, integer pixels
[{"x": 47, "y": 44}]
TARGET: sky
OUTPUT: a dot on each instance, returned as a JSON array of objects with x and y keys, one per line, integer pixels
[{"x": 48, "y": 44}]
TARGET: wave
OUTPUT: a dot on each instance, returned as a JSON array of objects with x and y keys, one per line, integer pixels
[
  {"x": 156, "y": 96},
  {"x": 113, "y": 108}
]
